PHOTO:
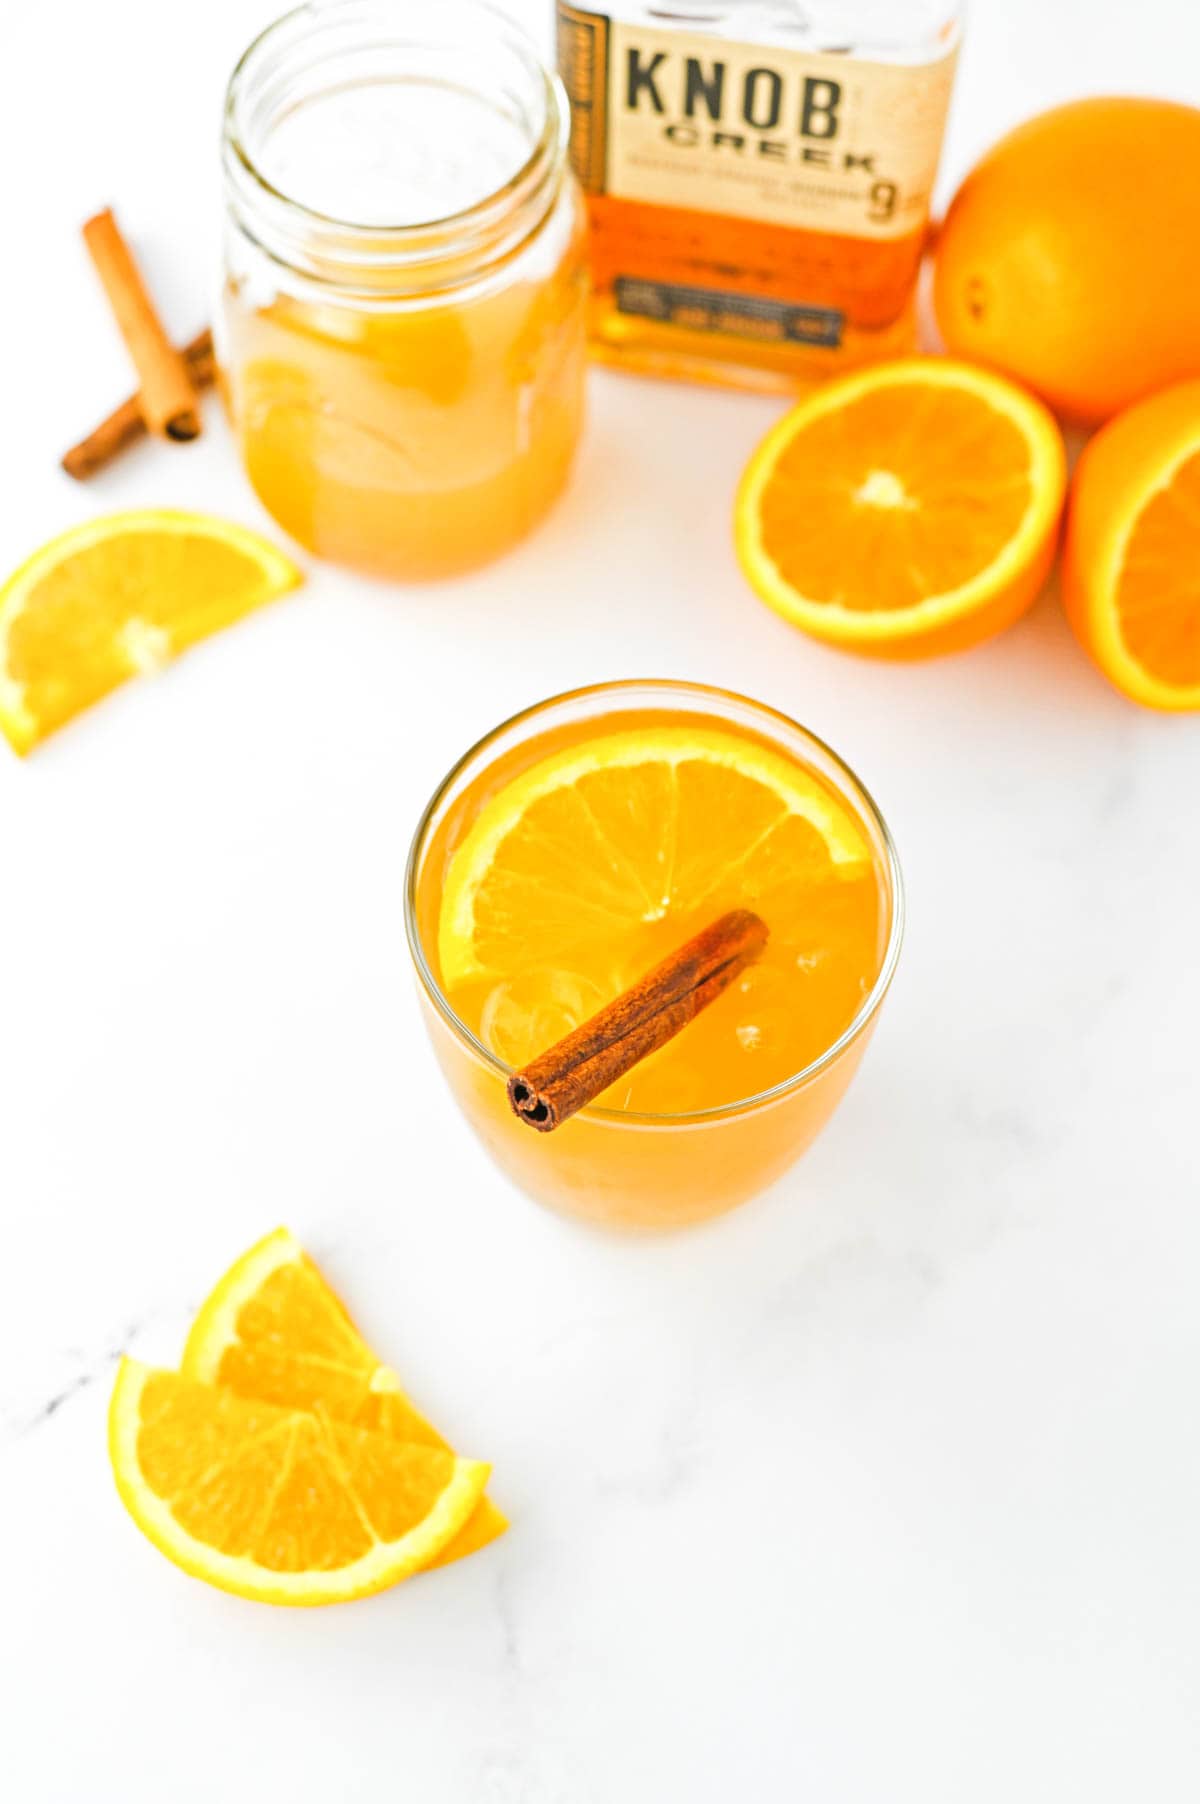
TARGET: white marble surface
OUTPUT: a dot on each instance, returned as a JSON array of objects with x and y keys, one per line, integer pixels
[{"x": 885, "y": 1490}]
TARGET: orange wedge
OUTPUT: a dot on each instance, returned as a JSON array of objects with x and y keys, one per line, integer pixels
[
  {"x": 279, "y": 1505},
  {"x": 904, "y": 510},
  {"x": 118, "y": 597},
  {"x": 272, "y": 1330},
  {"x": 1131, "y": 566}
]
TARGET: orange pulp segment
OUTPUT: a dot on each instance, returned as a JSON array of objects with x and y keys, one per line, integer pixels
[
  {"x": 908, "y": 509},
  {"x": 273, "y": 1330},
  {"x": 279, "y": 1505}
]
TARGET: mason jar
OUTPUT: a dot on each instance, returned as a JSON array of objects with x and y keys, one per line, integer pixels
[{"x": 402, "y": 326}]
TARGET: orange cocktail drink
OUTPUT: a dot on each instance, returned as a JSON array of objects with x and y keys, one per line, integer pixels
[{"x": 584, "y": 841}]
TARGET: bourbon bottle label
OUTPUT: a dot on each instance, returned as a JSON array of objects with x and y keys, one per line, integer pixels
[{"x": 821, "y": 142}]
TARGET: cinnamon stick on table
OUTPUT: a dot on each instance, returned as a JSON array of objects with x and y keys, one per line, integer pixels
[
  {"x": 125, "y": 424},
  {"x": 576, "y": 1070},
  {"x": 167, "y": 392}
]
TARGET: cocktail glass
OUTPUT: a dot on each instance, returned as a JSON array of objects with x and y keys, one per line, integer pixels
[{"x": 610, "y": 1165}]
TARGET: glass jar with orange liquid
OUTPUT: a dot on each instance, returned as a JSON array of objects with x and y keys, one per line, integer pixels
[
  {"x": 584, "y": 841},
  {"x": 401, "y": 335}
]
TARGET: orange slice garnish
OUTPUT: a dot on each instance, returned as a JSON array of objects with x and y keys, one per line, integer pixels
[{"x": 602, "y": 857}]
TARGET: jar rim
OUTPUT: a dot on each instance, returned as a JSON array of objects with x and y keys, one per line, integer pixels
[{"x": 353, "y": 255}]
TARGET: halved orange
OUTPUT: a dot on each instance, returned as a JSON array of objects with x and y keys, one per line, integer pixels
[
  {"x": 279, "y": 1505},
  {"x": 904, "y": 510},
  {"x": 115, "y": 598},
  {"x": 273, "y": 1330},
  {"x": 1131, "y": 565}
]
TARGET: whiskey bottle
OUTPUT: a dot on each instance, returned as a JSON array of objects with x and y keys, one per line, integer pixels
[{"x": 758, "y": 175}]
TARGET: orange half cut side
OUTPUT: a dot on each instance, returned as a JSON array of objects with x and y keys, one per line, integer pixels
[
  {"x": 1131, "y": 565},
  {"x": 904, "y": 510}
]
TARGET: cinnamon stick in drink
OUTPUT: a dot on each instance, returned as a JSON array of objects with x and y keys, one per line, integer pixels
[
  {"x": 167, "y": 393},
  {"x": 125, "y": 424},
  {"x": 579, "y": 1067}
]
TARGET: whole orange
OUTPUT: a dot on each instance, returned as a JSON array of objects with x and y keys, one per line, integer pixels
[{"x": 1070, "y": 256}]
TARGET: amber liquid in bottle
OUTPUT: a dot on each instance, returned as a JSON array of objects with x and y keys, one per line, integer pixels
[{"x": 758, "y": 175}]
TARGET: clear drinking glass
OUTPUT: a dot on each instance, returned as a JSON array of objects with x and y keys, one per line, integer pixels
[{"x": 608, "y": 1165}]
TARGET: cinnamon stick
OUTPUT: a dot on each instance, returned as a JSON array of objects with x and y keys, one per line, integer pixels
[
  {"x": 168, "y": 394},
  {"x": 125, "y": 425},
  {"x": 590, "y": 1058}
]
